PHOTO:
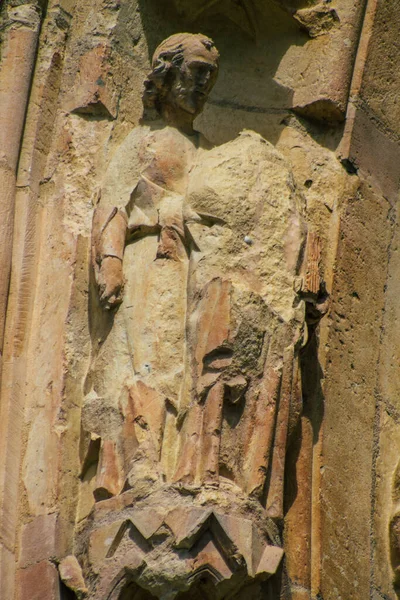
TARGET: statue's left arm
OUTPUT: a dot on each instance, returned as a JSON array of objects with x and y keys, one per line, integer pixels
[{"x": 313, "y": 288}]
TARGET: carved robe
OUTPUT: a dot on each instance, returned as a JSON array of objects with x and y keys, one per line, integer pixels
[
  {"x": 201, "y": 357},
  {"x": 245, "y": 321},
  {"x": 138, "y": 368}
]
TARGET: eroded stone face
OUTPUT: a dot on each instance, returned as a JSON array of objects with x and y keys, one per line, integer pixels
[
  {"x": 152, "y": 375},
  {"x": 199, "y": 314}
]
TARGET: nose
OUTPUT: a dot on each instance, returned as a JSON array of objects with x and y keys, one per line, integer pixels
[
  {"x": 204, "y": 77},
  {"x": 207, "y": 76}
]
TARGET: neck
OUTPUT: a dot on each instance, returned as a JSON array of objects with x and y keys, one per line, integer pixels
[{"x": 176, "y": 117}]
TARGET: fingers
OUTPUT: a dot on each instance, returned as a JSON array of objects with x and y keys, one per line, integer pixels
[
  {"x": 110, "y": 282},
  {"x": 110, "y": 303},
  {"x": 110, "y": 297}
]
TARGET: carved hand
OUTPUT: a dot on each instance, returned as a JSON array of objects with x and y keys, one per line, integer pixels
[{"x": 110, "y": 281}]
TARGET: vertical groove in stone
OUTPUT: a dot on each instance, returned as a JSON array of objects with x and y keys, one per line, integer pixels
[
  {"x": 359, "y": 66},
  {"x": 23, "y": 219},
  {"x": 19, "y": 54}
]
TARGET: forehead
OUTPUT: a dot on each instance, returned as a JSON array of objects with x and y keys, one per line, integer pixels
[{"x": 197, "y": 54}]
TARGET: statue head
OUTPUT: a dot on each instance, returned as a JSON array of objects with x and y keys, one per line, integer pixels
[{"x": 184, "y": 70}]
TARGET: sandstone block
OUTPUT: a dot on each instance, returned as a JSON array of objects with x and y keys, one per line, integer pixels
[
  {"x": 270, "y": 560},
  {"x": 147, "y": 521},
  {"x": 39, "y": 540},
  {"x": 186, "y": 524},
  {"x": 101, "y": 541},
  {"x": 71, "y": 574},
  {"x": 109, "y": 480},
  {"x": 38, "y": 582},
  {"x": 93, "y": 92}
]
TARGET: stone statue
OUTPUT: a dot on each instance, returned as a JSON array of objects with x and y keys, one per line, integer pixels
[
  {"x": 202, "y": 277},
  {"x": 141, "y": 243}
]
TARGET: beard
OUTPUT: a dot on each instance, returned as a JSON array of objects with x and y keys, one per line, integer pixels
[{"x": 190, "y": 100}]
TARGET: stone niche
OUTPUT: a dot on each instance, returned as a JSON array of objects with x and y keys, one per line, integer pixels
[
  {"x": 198, "y": 395},
  {"x": 205, "y": 290}
]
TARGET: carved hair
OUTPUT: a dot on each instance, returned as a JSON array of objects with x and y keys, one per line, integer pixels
[{"x": 168, "y": 57}]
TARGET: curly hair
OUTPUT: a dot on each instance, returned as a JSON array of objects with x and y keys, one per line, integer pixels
[{"x": 169, "y": 56}]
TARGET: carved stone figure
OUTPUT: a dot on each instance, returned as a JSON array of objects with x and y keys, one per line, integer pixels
[
  {"x": 141, "y": 243},
  {"x": 198, "y": 317}
]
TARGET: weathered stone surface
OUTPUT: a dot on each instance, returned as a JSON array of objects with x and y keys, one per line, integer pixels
[
  {"x": 270, "y": 561},
  {"x": 7, "y": 571},
  {"x": 317, "y": 20},
  {"x": 151, "y": 388},
  {"x": 167, "y": 550},
  {"x": 373, "y": 120},
  {"x": 108, "y": 480},
  {"x": 71, "y": 575},
  {"x": 94, "y": 92},
  {"x": 101, "y": 542},
  {"x": 39, "y": 540},
  {"x": 348, "y": 449},
  {"x": 386, "y": 490},
  {"x": 38, "y": 581},
  {"x": 15, "y": 77}
]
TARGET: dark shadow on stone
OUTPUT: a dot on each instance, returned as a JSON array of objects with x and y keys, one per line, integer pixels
[
  {"x": 312, "y": 375},
  {"x": 203, "y": 589},
  {"x": 324, "y": 133},
  {"x": 313, "y": 410},
  {"x": 131, "y": 591},
  {"x": 271, "y": 589},
  {"x": 292, "y": 5},
  {"x": 66, "y": 593},
  {"x": 232, "y": 412},
  {"x": 322, "y": 111},
  {"x": 246, "y": 95},
  {"x": 100, "y": 323},
  {"x": 299, "y": 469}
]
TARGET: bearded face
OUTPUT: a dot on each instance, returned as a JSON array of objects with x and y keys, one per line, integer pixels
[{"x": 193, "y": 81}]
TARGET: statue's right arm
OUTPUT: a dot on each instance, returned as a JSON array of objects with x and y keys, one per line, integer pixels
[
  {"x": 110, "y": 218},
  {"x": 108, "y": 244}
]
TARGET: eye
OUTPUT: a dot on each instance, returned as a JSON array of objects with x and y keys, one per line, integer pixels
[{"x": 201, "y": 69}]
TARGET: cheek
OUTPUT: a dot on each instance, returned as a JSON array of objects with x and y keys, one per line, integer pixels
[
  {"x": 185, "y": 79},
  {"x": 178, "y": 87},
  {"x": 212, "y": 80},
  {"x": 181, "y": 90}
]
